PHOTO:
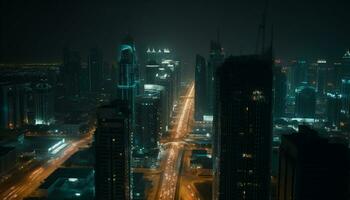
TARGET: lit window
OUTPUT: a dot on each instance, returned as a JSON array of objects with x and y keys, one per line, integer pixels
[
  {"x": 246, "y": 155},
  {"x": 258, "y": 95}
]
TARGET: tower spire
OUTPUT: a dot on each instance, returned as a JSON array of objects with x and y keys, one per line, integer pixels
[{"x": 262, "y": 31}]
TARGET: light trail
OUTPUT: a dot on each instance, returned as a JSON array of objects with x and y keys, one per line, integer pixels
[
  {"x": 184, "y": 112},
  {"x": 169, "y": 179},
  {"x": 32, "y": 180}
]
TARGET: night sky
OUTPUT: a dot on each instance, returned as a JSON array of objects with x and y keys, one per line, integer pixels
[{"x": 33, "y": 31}]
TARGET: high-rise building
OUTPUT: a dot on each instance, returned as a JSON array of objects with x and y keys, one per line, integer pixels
[
  {"x": 243, "y": 128},
  {"x": 344, "y": 67},
  {"x": 165, "y": 78},
  {"x": 325, "y": 77},
  {"x": 70, "y": 72},
  {"x": 280, "y": 92},
  {"x": 345, "y": 92},
  {"x": 84, "y": 86},
  {"x": 311, "y": 168},
  {"x": 299, "y": 71},
  {"x": 158, "y": 90},
  {"x": 13, "y": 105},
  {"x": 159, "y": 55},
  {"x": 151, "y": 71},
  {"x": 148, "y": 113},
  {"x": 200, "y": 88},
  {"x": 128, "y": 72},
  {"x": 305, "y": 102},
  {"x": 95, "y": 69},
  {"x": 334, "y": 104},
  {"x": 128, "y": 77},
  {"x": 216, "y": 58},
  {"x": 312, "y": 74},
  {"x": 129, "y": 87},
  {"x": 44, "y": 103},
  {"x": 162, "y": 69},
  {"x": 112, "y": 144}
]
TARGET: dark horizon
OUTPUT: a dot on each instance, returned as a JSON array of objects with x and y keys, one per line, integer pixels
[{"x": 38, "y": 31}]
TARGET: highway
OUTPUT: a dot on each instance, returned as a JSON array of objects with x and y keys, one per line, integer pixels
[
  {"x": 32, "y": 179},
  {"x": 169, "y": 178}
]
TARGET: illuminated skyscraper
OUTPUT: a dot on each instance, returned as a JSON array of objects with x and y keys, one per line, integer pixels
[
  {"x": 128, "y": 77},
  {"x": 243, "y": 129},
  {"x": 128, "y": 88},
  {"x": 345, "y": 92},
  {"x": 44, "y": 103},
  {"x": 200, "y": 88},
  {"x": 112, "y": 151},
  {"x": 344, "y": 71}
]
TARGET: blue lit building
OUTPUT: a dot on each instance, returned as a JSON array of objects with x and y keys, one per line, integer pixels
[
  {"x": 128, "y": 78},
  {"x": 44, "y": 104},
  {"x": 345, "y": 92}
]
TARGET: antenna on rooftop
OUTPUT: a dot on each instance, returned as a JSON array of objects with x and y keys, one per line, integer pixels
[{"x": 262, "y": 31}]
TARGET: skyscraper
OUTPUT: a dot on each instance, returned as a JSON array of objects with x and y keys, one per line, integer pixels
[
  {"x": 151, "y": 70},
  {"x": 299, "y": 71},
  {"x": 44, "y": 103},
  {"x": 148, "y": 109},
  {"x": 128, "y": 88},
  {"x": 158, "y": 90},
  {"x": 334, "y": 104},
  {"x": 216, "y": 58},
  {"x": 112, "y": 137},
  {"x": 311, "y": 168},
  {"x": 13, "y": 105},
  {"x": 70, "y": 72},
  {"x": 280, "y": 92},
  {"x": 345, "y": 92},
  {"x": 243, "y": 128},
  {"x": 305, "y": 102},
  {"x": 95, "y": 69},
  {"x": 200, "y": 88},
  {"x": 324, "y": 77}
]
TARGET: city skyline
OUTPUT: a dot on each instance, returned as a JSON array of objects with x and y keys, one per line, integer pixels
[{"x": 165, "y": 100}]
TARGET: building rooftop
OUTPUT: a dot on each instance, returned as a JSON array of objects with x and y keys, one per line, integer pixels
[{"x": 72, "y": 174}]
